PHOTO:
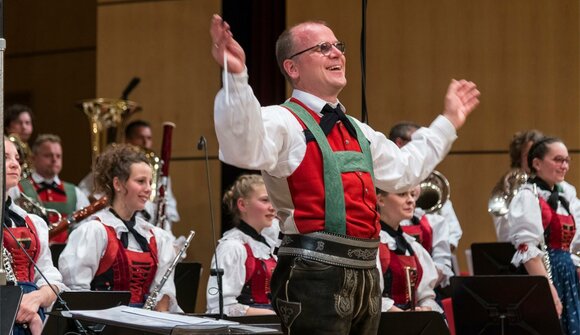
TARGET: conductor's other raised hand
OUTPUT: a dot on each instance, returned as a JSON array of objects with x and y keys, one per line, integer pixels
[
  {"x": 224, "y": 42},
  {"x": 461, "y": 99}
]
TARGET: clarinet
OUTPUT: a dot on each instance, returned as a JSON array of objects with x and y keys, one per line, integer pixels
[
  {"x": 151, "y": 301},
  {"x": 161, "y": 217}
]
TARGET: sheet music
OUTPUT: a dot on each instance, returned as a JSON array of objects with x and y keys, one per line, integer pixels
[{"x": 139, "y": 317}]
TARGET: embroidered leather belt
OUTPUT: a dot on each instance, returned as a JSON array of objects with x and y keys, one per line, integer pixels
[{"x": 332, "y": 249}]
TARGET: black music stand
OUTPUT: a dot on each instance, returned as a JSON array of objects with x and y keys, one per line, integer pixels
[
  {"x": 494, "y": 259},
  {"x": 412, "y": 323},
  {"x": 9, "y": 301},
  {"x": 186, "y": 280},
  {"x": 514, "y": 305},
  {"x": 83, "y": 300}
]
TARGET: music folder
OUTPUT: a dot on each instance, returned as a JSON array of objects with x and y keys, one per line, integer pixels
[{"x": 494, "y": 259}]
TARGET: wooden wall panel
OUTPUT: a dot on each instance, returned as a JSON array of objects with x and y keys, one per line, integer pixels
[
  {"x": 167, "y": 45},
  {"x": 50, "y": 64},
  {"x": 54, "y": 82}
]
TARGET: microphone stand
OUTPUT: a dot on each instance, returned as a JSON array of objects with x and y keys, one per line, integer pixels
[
  {"x": 79, "y": 326},
  {"x": 217, "y": 271}
]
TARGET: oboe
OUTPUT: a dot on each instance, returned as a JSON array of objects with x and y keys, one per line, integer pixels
[
  {"x": 161, "y": 216},
  {"x": 151, "y": 301}
]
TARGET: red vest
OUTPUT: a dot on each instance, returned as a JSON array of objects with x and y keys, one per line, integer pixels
[
  {"x": 28, "y": 238},
  {"x": 132, "y": 271},
  {"x": 560, "y": 228},
  {"x": 396, "y": 266},
  {"x": 306, "y": 187},
  {"x": 258, "y": 276},
  {"x": 422, "y": 232}
]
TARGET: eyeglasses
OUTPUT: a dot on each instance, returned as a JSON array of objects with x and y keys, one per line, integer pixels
[
  {"x": 325, "y": 48},
  {"x": 561, "y": 160}
]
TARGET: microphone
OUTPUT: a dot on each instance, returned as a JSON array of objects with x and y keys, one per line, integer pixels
[
  {"x": 130, "y": 87},
  {"x": 201, "y": 144},
  {"x": 79, "y": 326},
  {"x": 217, "y": 271}
]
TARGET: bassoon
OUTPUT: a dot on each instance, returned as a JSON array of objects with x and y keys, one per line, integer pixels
[
  {"x": 77, "y": 216},
  {"x": 161, "y": 216}
]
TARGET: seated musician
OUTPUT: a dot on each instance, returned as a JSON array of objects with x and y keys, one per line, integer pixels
[
  {"x": 115, "y": 249},
  {"x": 45, "y": 186},
  {"x": 245, "y": 255},
  {"x": 32, "y": 232},
  {"x": 406, "y": 266}
]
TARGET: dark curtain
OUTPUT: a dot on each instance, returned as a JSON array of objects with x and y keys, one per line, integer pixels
[{"x": 256, "y": 24}]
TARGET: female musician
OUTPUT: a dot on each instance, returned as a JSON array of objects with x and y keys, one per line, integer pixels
[
  {"x": 33, "y": 231},
  {"x": 543, "y": 211},
  {"x": 115, "y": 249},
  {"x": 244, "y": 253},
  {"x": 398, "y": 251}
]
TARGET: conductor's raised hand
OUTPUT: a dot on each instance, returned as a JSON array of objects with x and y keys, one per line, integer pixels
[
  {"x": 224, "y": 42},
  {"x": 461, "y": 99}
]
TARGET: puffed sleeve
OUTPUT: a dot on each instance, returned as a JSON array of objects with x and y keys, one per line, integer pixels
[
  {"x": 572, "y": 197},
  {"x": 425, "y": 293},
  {"x": 441, "y": 251},
  {"x": 165, "y": 255},
  {"x": 82, "y": 255},
  {"x": 44, "y": 261},
  {"x": 526, "y": 230},
  {"x": 232, "y": 257}
]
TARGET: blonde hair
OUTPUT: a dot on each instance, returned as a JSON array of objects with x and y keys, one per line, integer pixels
[
  {"x": 114, "y": 162},
  {"x": 240, "y": 189}
]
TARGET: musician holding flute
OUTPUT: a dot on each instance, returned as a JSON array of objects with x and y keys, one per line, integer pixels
[
  {"x": 116, "y": 249},
  {"x": 408, "y": 271},
  {"x": 32, "y": 232}
]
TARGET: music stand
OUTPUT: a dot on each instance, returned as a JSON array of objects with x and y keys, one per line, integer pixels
[
  {"x": 494, "y": 259},
  {"x": 514, "y": 305},
  {"x": 83, "y": 300},
  {"x": 9, "y": 301},
  {"x": 186, "y": 280},
  {"x": 412, "y": 323}
]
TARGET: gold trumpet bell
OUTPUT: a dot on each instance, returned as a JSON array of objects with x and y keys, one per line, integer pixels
[{"x": 107, "y": 118}]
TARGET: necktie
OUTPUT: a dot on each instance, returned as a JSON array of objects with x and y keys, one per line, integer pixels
[
  {"x": 50, "y": 186},
  {"x": 141, "y": 240},
  {"x": 11, "y": 217},
  {"x": 332, "y": 115}
]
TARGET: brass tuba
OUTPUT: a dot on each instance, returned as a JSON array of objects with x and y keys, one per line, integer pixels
[
  {"x": 107, "y": 118},
  {"x": 435, "y": 191},
  {"x": 504, "y": 191}
]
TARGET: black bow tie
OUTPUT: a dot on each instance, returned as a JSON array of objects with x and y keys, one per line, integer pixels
[
  {"x": 250, "y": 231},
  {"x": 50, "y": 186},
  {"x": 141, "y": 240},
  {"x": 12, "y": 218},
  {"x": 403, "y": 247},
  {"x": 554, "y": 194},
  {"x": 332, "y": 115}
]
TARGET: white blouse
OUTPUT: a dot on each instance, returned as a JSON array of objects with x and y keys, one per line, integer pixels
[
  {"x": 87, "y": 244},
  {"x": 232, "y": 256}
]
